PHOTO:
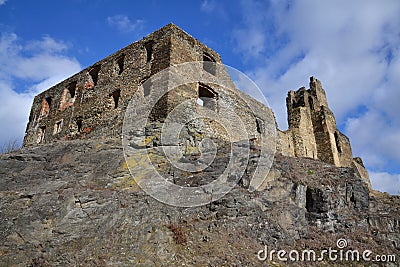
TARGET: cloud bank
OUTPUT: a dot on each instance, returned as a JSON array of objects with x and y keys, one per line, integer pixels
[{"x": 36, "y": 63}]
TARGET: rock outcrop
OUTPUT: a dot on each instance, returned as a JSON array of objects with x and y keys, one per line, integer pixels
[{"x": 76, "y": 204}]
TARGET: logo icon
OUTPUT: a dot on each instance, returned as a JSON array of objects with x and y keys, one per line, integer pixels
[{"x": 341, "y": 243}]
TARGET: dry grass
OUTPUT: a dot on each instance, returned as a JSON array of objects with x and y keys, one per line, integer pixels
[
  {"x": 10, "y": 147},
  {"x": 179, "y": 231}
]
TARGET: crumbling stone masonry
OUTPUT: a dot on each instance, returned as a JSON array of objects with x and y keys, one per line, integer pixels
[
  {"x": 92, "y": 103},
  {"x": 313, "y": 132}
]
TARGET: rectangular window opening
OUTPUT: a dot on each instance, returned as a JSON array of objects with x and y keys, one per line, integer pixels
[
  {"x": 208, "y": 97},
  {"x": 79, "y": 122},
  {"x": 72, "y": 89},
  {"x": 94, "y": 74},
  {"x": 120, "y": 64},
  {"x": 46, "y": 105},
  {"x": 209, "y": 64},
  {"x": 115, "y": 96},
  {"x": 57, "y": 127},
  {"x": 48, "y": 100},
  {"x": 149, "y": 50},
  {"x": 260, "y": 125},
  {"x": 40, "y": 135}
]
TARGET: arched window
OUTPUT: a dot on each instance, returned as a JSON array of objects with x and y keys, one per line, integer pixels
[{"x": 68, "y": 96}]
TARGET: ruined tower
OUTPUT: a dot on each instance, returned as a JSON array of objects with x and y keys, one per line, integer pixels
[{"x": 313, "y": 132}]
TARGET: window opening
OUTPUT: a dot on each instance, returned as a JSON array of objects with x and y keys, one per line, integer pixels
[
  {"x": 209, "y": 64},
  {"x": 115, "y": 95},
  {"x": 260, "y": 125},
  {"x": 120, "y": 63},
  {"x": 79, "y": 124},
  {"x": 338, "y": 147},
  {"x": 94, "y": 74},
  {"x": 41, "y": 133},
  {"x": 207, "y": 97},
  {"x": 149, "y": 50},
  {"x": 57, "y": 127}
]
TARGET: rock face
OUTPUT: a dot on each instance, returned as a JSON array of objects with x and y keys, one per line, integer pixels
[{"x": 75, "y": 204}]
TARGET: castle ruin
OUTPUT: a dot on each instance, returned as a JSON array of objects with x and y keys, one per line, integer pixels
[
  {"x": 313, "y": 132},
  {"x": 92, "y": 103}
]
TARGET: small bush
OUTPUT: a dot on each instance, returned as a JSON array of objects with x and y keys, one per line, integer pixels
[
  {"x": 10, "y": 146},
  {"x": 179, "y": 233}
]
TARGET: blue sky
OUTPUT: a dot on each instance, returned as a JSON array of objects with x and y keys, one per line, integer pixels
[{"x": 353, "y": 47}]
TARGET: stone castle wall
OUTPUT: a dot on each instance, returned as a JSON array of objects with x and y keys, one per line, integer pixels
[{"x": 92, "y": 103}]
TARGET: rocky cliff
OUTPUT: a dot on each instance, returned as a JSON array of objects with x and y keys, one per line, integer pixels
[{"x": 75, "y": 204}]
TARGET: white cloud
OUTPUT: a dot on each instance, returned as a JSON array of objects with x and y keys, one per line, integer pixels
[
  {"x": 14, "y": 113},
  {"x": 254, "y": 44},
  {"x": 352, "y": 47},
  {"x": 386, "y": 182},
  {"x": 38, "y": 65},
  {"x": 2, "y": 2},
  {"x": 124, "y": 24},
  {"x": 208, "y": 6},
  {"x": 44, "y": 66},
  {"x": 218, "y": 10},
  {"x": 37, "y": 60},
  {"x": 46, "y": 45},
  {"x": 375, "y": 139},
  {"x": 251, "y": 37}
]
